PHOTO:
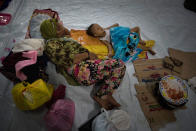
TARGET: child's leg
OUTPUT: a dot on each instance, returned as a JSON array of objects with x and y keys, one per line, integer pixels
[
  {"x": 114, "y": 74},
  {"x": 137, "y": 30}
]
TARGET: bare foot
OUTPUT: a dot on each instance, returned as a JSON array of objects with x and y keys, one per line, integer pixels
[{"x": 107, "y": 102}]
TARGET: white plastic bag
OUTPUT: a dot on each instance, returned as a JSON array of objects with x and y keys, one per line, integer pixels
[{"x": 112, "y": 120}]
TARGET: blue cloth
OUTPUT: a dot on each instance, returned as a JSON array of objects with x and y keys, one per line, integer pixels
[{"x": 123, "y": 50}]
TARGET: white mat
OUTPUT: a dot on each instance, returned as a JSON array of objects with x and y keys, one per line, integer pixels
[{"x": 165, "y": 21}]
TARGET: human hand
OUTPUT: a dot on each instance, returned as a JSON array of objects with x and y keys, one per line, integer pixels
[
  {"x": 80, "y": 57},
  {"x": 110, "y": 55},
  {"x": 92, "y": 56},
  {"x": 107, "y": 103}
]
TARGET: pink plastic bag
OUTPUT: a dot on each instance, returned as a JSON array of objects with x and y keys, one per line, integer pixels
[
  {"x": 5, "y": 18},
  {"x": 60, "y": 117}
]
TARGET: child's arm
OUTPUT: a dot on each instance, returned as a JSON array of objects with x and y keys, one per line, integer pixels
[
  {"x": 109, "y": 48},
  {"x": 137, "y": 30},
  {"x": 114, "y": 25}
]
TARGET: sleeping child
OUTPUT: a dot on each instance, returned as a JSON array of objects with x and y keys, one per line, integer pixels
[{"x": 123, "y": 39}]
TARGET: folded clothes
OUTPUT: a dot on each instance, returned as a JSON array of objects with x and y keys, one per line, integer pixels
[
  {"x": 8, "y": 68},
  {"x": 12, "y": 59},
  {"x": 32, "y": 55},
  {"x": 32, "y": 72},
  {"x": 30, "y": 45}
]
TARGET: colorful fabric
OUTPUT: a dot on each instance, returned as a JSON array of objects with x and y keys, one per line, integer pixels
[
  {"x": 93, "y": 44},
  {"x": 105, "y": 73},
  {"x": 61, "y": 52},
  {"x": 124, "y": 43},
  {"x": 48, "y": 29}
]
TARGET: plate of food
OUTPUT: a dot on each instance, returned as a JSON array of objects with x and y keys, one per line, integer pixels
[{"x": 174, "y": 90}]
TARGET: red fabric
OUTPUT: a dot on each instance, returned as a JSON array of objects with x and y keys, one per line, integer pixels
[{"x": 59, "y": 93}]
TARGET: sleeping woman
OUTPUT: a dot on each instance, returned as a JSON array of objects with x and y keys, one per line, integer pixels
[{"x": 82, "y": 65}]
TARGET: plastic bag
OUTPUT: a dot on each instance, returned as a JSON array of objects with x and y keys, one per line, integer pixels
[
  {"x": 31, "y": 96},
  {"x": 112, "y": 120},
  {"x": 60, "y": 117}
]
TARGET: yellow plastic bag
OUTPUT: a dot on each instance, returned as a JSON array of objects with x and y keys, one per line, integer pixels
[{"x": 31, "y": 96}]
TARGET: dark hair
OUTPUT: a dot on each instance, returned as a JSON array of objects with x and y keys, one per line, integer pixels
[{"x": 89, "y": 30}]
